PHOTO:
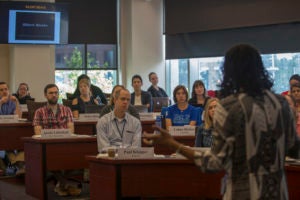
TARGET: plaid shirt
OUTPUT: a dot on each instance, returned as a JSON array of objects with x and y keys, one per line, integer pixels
[{"x": 45, "y": 117}]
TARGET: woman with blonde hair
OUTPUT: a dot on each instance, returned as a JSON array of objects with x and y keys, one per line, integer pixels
[
  {"x": 85, "y": 98},
  {"x": 204, "y": 133}
]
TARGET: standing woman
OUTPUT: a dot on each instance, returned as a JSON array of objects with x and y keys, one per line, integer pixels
[
  {"x": 85, "y": 98},
  {"x": 199, "y": 97},
  {"x": 295, "y": 93},
  {"x": 181, "y": 113},
  {"x": 204, "y": 133}
]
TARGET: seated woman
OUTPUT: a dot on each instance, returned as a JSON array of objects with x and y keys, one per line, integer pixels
[
  {"x": 204, "y": 133},
  {"x": 85, "y": 98},
  {"x": 199, "y": 97},
  {"x": 23, "y": 93},
  {"x": 140, "y": 97},
  {"x": 181, "y": 113},
  {"x": 108, "y": 108}
]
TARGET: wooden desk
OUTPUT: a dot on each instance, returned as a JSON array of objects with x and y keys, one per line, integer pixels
[
  {"x": 293, "y": 180},
  {"x": 53, "y": 154},
  {"x": 11, "y": 134},
  {"x": 114, "y": 179}
]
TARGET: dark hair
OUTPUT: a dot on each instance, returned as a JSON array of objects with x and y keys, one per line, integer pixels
[
  {"x": 178, "y": 87},
  {"x": 243, "y": 71},
  {"x": 3, "y": 83},
  {"x": 197, "y": 83},
  {"x": 51, "y": 85},
  {"x": 150, "y": 74},
  {"x": 295, "y": 77},
  {"x": 136, "y": 76}
]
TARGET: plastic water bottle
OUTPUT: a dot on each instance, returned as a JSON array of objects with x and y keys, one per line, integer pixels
[
  {"x": 99, "y": 100},
  {"x": 158, "y": 122}
]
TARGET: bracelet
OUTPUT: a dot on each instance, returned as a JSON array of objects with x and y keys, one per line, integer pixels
[{"x": 179, "y": 148}]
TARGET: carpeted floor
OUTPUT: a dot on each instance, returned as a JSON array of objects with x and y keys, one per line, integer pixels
[{"x": 12, "y": 188}]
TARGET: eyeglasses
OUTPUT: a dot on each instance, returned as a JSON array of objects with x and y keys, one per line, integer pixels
[{"x": 55, "y": 93}]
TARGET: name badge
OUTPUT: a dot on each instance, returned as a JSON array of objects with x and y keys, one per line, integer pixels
[
  {"x": 136, "y": 153},
  {"x": 89, "y": 117},
  {"x": 9, "y": 118},
  {"x": 182, "y": 130},
  {"x": 55, "y": 133}
]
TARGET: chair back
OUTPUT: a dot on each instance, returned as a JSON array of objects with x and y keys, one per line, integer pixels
[
  {"x": 67, "y": 102},
  {"x": 141, "y": 108},
  {"x": 32, "y": 107},
  {"x": 93, "y": 108}
]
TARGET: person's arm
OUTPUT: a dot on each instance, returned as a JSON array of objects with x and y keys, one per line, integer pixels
[
  {"x": 102, "y": 139},
  {"x": 18, "y": 110},
  {"x": 168, "y": 123},
  {"x": 165, "y": 139},
  {"x": 136, "y": 141},
  {"x": 96, "y": 91},
  {"x": 37, "y": 130},
  {"x": 74, "y": 110},
  {"x": 70, "y": 126}
]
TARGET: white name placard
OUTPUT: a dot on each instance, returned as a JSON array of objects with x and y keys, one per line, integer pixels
[
  {"x": 89, "y": 117},
  {"x": 55, "y": 133},
  {"x": 9, "y": 118},
  {"x": 146, "y": 116},
  {"x": 182, "y": 130},
  {"x": 23, "y": 107},
  {"x": 136, "y": 153}
]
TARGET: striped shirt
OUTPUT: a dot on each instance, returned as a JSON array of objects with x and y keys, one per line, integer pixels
[{"x": 45, "y": 117}]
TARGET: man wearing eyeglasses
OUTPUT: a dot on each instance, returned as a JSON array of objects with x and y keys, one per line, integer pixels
[{"x": 53, "y": 115}]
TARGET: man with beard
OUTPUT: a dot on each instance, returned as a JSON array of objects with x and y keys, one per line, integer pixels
[
  {"x": 56, "y": 116},
  {"x": 53, "y": 115}
]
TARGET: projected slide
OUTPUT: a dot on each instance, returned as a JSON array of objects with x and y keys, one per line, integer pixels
[{"x": 34, "y": 27}]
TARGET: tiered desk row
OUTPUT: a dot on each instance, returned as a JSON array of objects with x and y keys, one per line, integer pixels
[{"x": 112, "y": 178}]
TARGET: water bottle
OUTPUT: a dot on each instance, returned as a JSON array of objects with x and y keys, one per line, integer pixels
[
  {"x": 99, "y": 100},
  {"x": 158, "y": 122}
]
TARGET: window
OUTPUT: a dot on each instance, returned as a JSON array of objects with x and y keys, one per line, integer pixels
[
  {"x": 186, "y": 71},
  {"x": 98, "y": 61}
]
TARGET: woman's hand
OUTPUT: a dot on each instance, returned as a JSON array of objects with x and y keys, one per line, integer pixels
[{"x": 163, "y": 138}]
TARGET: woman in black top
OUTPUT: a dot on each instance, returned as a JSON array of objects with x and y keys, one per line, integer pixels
[
  {"x": 199, "y": 97},
  {"x": 23, "y": 93},
  {"x": 85, "y": 98}
]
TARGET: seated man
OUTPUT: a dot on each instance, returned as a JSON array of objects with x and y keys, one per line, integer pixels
[
  {"x": 55, "y": 116},
  {"x": 118, "y": 128},
  {"x": 9, "y": 105}
]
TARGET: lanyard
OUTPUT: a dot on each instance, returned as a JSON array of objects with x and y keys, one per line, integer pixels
[{"x": 120, "y": 133}]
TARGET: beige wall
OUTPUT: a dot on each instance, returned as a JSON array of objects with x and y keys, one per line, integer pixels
[
  {"x": 142, "y": 40},
  {"x": 4, "y": 63},
  {"x": 141, "y": 51}
]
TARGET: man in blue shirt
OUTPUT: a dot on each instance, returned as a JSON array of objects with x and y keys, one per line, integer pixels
[{"x": 9, "y": 105}]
